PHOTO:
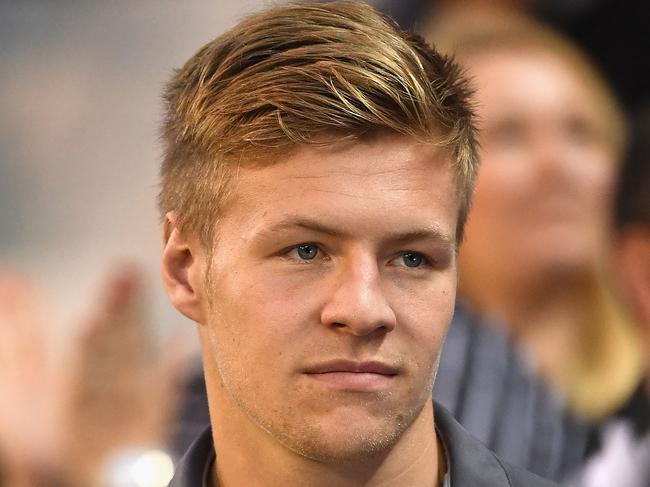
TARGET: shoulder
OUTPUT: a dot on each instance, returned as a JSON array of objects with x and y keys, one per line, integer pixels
[{"x": 472, "y": 464}]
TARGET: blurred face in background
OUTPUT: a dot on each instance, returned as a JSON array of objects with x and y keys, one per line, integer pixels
[{"x": 543, "y": 191}]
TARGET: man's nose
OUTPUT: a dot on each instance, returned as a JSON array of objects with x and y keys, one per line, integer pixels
[{"x": 358, "y": 303}]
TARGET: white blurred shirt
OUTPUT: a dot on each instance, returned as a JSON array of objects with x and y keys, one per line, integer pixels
[{"x": 623, "y": 461}]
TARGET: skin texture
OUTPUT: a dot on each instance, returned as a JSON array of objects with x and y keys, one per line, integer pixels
[
  {"x": 544, "y": 189},
  {"x": 268, "y": 316}
]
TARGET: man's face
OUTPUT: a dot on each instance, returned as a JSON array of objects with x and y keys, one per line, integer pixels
[{"x": 332, "y": 284}]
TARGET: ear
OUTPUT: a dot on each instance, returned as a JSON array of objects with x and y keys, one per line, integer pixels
[
  {"x": 634, "y": 270},
  {"x": 182, "y": 269}
]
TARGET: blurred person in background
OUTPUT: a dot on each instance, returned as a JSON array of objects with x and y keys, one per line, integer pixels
[
  {"x": 535, "y": 250},
  {"x": 622, "y": 455}
]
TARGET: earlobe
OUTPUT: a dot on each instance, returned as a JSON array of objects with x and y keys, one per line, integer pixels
[{"x": 181, "y": 270}]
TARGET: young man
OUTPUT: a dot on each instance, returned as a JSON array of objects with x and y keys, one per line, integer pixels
[{"x": 318, "y": 169}]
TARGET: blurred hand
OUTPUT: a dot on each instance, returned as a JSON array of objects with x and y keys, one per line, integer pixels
[
  {"x": 64, "y": 418},
  {"x": 30, "y": 385}
]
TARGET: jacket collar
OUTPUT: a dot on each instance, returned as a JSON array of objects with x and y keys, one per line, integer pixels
[
  {"x": 191, "y": 469},
  {"x": 470, "y": 463}
]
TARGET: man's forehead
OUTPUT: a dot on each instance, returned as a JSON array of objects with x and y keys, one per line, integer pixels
[
  {"x": 378, "y": 172},
  {"x": 396, "y": 151}
]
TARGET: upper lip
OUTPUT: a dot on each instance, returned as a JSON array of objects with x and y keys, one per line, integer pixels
[{"x": 343, "y": 365}]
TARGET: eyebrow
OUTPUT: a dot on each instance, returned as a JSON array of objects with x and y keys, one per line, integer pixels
[{"x": 432, "y": 232}]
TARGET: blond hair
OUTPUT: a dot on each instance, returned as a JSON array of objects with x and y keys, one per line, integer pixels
[{"x": 301, "y": 74}]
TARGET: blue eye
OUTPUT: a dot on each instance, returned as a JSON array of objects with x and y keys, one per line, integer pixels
[
  {"x": 412, "y": 259},
  {"x": 307, "y": 251}
]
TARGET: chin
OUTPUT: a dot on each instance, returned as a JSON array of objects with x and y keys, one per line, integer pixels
[
  {"x": 348, "y": 443},
  {"x": 348, "y": 435}
]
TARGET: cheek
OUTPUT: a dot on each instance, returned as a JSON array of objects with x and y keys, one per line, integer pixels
[
  {"x": 255, "y": 319},
  {"x": 594, "y": 183},
  {"x": 286, "y": 305},
  {"x": 424, "y": 317},
  {"x": 598, "y": 179},
  {"x": 425, "y": 334},
  {"x": 239, "y": 326}
]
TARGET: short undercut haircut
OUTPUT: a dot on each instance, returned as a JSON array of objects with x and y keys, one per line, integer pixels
[{"x": 304, "y": 74}]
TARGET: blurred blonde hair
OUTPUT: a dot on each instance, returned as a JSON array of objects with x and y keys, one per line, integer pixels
[{"x": 304, "y": 73}]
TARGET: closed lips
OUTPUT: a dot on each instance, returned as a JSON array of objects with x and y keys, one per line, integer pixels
[{"x": 372, "y": 367}]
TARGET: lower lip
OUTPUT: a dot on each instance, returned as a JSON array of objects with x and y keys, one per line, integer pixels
[{"x": 355, "y": 381}]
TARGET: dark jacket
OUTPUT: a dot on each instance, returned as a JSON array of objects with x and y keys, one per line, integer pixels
[{"x": 471, "y": 464}]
